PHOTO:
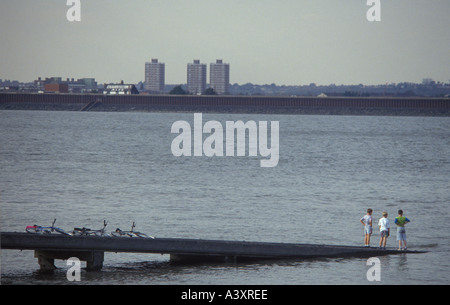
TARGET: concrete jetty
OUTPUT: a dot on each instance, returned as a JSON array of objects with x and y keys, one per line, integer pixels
[{"x": 91, "y": 249}]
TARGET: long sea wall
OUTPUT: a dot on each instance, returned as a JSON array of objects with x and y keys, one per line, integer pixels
[{"x": 233, "y": 104}]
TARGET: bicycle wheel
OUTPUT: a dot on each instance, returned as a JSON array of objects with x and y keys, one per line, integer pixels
[
  {"x": 61, "y": 231},
  {"x": 37, "y": 230},
  {"x": 77, "y": 233},
  {"x": 117, "y": 234},
  {"x": 143, "y": 235},
  {"x": 31, "y": 229},
  {"x": 100, "y": 233}
]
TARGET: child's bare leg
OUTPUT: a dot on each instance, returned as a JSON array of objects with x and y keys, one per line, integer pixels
[{"x": 366, "y": 239}]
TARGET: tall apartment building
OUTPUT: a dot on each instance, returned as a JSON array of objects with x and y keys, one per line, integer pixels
[
  {"x": 219, "y": 77},
  {"x": 196, "y": 77},
  {"x": 154, "y": 76}
]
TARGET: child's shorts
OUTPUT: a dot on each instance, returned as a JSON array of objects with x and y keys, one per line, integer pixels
[
  {"x": 384, "y": 233},
  {"x": 401, "y": 233},
  {"x": 368, "y": 230}
]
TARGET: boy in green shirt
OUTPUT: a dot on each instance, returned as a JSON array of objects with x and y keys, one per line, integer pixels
[{"x": 401, "y": 221}]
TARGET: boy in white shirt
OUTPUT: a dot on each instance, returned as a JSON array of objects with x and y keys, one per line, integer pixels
[{"x": 385, "y": 229}]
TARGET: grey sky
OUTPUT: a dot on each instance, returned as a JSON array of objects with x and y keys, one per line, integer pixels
[{"x": 292, "y": 42}]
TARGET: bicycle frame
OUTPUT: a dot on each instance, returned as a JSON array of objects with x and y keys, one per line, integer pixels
[
  {"x": 86, "y": 231},
  {"x": 45, "y": 230},
  {"x": 119, "y": 233}
]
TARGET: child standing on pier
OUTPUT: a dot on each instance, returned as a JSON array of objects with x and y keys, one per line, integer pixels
[
  {"x": 385, "y": 229},
  {"x": 401, "y": 221},
  {"x": 366, "y": 220}
]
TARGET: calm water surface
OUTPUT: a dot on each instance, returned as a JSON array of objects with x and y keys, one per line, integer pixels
[{"x": 82, "y": 168}]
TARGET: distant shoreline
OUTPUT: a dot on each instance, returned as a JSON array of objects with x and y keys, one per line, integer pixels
[{"x": 389, "y": 106}]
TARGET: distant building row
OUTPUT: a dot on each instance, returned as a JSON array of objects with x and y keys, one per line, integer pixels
[
  {"x": 84, "y": 85},
  {"x": 219, "y": 77},
  {"x": 57, "y": 84}
]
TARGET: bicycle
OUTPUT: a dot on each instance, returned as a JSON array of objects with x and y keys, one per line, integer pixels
[
  {"x": 46, "y": 230},
  {"x": 119, "y": 233},
  {"x": 88, "y": 232}
]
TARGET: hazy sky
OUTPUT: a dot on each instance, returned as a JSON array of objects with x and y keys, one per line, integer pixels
[{"x": 292, "y": 42}]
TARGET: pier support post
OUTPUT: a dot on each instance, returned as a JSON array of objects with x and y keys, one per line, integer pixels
[
  {"x": 46, "y": 262},
  {"x": 94, "y": 260},
  {"x": 46, "y": 259}
]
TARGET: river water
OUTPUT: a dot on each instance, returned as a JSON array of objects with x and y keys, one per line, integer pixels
[{"x": 84, "y": 167}]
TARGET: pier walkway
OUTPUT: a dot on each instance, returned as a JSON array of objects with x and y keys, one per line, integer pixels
[{"x": 91, "y": 249}]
